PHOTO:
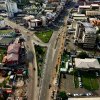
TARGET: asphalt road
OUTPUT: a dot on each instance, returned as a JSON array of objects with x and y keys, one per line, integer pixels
[{"x": 51, "y": 58}]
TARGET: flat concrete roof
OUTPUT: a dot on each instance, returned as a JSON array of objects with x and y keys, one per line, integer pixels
[
  {"x": 84, "y": 6},
  {"x": 93, "y": 98},
  {"x": 6, "y": 40}
]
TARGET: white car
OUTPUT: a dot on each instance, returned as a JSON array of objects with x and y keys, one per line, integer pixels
[
  {"x": 96, "y": 73},
  {"x": 79, "y": 78},
  {"x": 89, "y": 94},
  {"x": 76, "y": 95},
  {"x": 80, "y": 84}
]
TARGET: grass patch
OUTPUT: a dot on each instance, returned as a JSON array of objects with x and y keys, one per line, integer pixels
[
  {"x": 5, "y": 31},
  {"x": 7, "y": 86},
  {"x": 1, "y": 57},
  {"x": 56, "y": 43},
  {"x": 93, "y": 80},
  {"x": 63, "y": 65},
  {"x": 44, "y": 36},
  {"x": 86, "y": 81},
  {"x": 40, "y": 53},
  {"x": 76, "y": 82},
  {"x": 64, "y": 58}
]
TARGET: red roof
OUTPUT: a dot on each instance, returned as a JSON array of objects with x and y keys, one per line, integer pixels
[
  {"x": 12, "y": 57},
  {"x": 9, "y": 91},
  {"x": 19, "y": 72},
  {"x": 13, "y": 48},
  {"x": 55, "y": 3}
]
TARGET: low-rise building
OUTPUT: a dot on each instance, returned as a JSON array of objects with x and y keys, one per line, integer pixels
[
  {"x": 2, "y": 23},
  {"x": 85, "y": 35},
  {"x": 87, "y": 64},
  {"x": 4, "y": 42}
]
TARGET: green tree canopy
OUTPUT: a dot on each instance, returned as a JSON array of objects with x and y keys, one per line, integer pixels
[
  {"x": 41, "y": 3},
  {"x": 98, "y": 30},
  {"x": 83, "y": 55},
  {"x": 63, "y": 95}
]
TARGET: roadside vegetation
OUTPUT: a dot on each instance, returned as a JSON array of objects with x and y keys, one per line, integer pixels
[
  {"x": 76, "y": 82},
  {"x": 44, "y": 36},
  {"x": 3, "y": 52},
  {"x": 63, "y": 95},
  {"x": 40, "y": 53}
]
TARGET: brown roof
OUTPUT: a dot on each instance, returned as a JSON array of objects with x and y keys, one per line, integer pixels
[
  {"x": 12, "y": 57},
  {"x": 13, "y": 48}
]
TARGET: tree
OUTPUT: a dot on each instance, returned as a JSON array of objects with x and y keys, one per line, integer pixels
[
  {"x": 71, "y": 12},
  {"x": 63, "y": 95},
  {"x": 34, "y": 3},
  {"x": 41, "y": 3},
  {"x": 75, "y": 71},
  {"x": 98, "y": 30},
  {"x": 83, "y": 55}
]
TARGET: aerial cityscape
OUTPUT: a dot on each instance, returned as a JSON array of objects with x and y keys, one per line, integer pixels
[{"x": 49, "y": 49}]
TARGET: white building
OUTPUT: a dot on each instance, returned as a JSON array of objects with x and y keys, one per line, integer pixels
[
  {"x": 34, "y": 23},
  {"x": 11, "y": 8},
  {"x": 2, "y": 23}
]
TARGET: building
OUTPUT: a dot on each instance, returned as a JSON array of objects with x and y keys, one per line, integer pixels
[
  {"x": 95, "y": 22},
  {"x": 2, "y": 23},
  {"x": 92, "y": 7},
  {"x": 87, "y": 64},
  {"x": 4, "y": 42},
  {"x": 14, "y": 48},
  {"x": 93, "y": 13},
  {"x": 26, "y": 19},
  {"x": 34, "y": 23},
  {"x": 11, "y": 8},
  {"x": 85, "y": 35},
  {"x": 91, "y": 98},
  {"x": 12, "y": 59}
]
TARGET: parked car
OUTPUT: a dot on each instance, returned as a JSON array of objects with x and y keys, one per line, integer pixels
[
  {"x": 21, "y": 24},
  {"x": 89, "y": 94},
  {"x": 82, "y": 94},
  {"x": 80, "y": 84},
  {"x": 97, "y": 74},
  {"x": 79, "y": 78},
  {"x": 69, "y": 94},
  {"x": 64, "y": 76},
  {"x": 76, "y": 95}
]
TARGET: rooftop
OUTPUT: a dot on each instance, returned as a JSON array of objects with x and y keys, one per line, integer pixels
[
  {"x": 87, "y": 63},
  {"x": 95, "y": 5},
  {"x": 90, "y": 30},
  {"x": 86, "y": 6},
  {"x": 6, "y": 40},
  {"x": 93, "y": 98},
  {"x": 86, "y": 24}
]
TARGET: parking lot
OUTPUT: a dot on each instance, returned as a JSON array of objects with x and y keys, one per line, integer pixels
[{"x": 67, "y": 85}]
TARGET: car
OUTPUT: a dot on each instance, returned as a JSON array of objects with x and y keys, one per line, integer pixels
[
  {"x": 80, "y": 84},
  {"x": 76, "y": 95},
  {"x": 64, "y": 76},
  {"x": 21, "y": 24},
  {"x": 97, "y": 74},
  {"x": 78, "y": 75},
  {"x": 82, "y": 94},
  {"x": 79, "y": 78},
  {"x": 89, "y": 94}
]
